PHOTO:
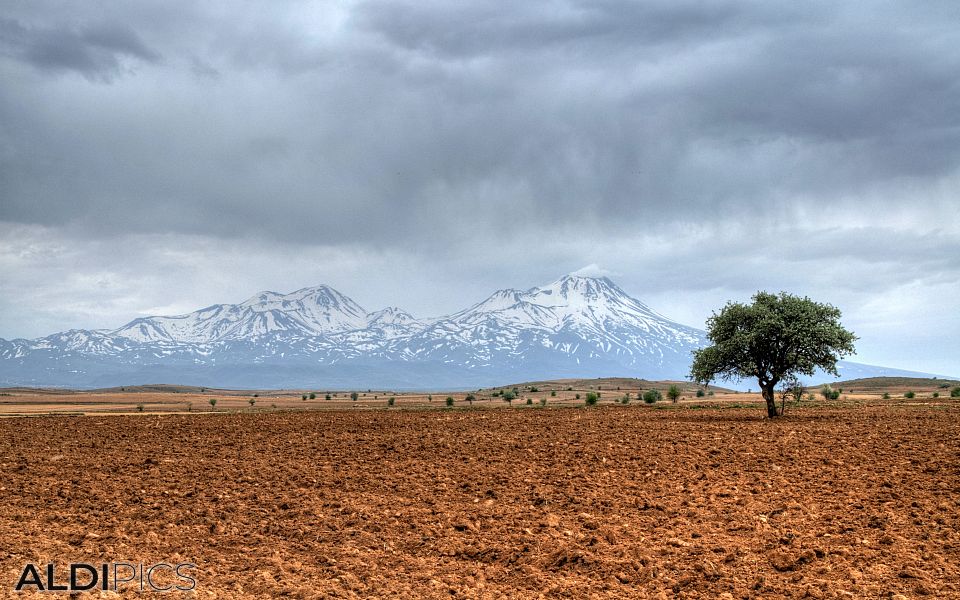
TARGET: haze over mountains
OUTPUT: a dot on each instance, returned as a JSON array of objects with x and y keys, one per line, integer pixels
[{"x": 317, "y": 337}]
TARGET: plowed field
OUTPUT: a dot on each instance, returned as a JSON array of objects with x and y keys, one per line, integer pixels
[{"x": 613, "y": 501}]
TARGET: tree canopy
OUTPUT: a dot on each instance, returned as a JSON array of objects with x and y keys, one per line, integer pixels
[{"x": 777, "y": 337}]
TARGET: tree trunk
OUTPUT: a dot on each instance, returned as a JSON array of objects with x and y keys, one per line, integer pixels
[{"x": 771, "y": 398}]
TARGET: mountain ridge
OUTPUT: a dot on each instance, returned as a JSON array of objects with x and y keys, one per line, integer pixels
[{"x": 576, "y": 326}]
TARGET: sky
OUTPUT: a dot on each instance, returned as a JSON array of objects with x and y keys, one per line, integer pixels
[{"x": 158, "y": 157}]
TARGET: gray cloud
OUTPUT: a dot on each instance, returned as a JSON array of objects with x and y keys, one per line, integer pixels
[
  {"x": 95, "y": 51},
  {"x": 712, "y": 149}
]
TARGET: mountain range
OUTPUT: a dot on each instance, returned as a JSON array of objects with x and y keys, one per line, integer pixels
[{"x": 317, "y": 337}]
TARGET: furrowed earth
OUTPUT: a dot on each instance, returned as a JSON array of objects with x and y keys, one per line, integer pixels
[{"x": 857, "y": 500}]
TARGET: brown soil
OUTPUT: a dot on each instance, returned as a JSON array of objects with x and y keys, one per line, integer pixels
[{"x": 614, "y": 501}]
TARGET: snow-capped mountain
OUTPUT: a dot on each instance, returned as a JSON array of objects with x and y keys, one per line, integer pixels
[{"x": 317, "y": 337}]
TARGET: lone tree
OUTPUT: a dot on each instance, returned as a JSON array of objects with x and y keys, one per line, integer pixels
[{"x": 777, "y": 338}]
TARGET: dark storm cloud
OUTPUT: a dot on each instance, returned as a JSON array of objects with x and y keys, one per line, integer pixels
[
  {"x": 95, "y": 51},
  {"x": 409, "y": 121}
]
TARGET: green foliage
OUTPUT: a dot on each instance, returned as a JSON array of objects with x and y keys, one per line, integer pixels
[
  {"x": 140, "y": 407},
  {"x": 569, "y": 388},
  {"x": 700, "y": 394},
  {"x": 543, "y": 401},
  {"x": 592, "y": 398},
  {"x": 577, "y": 396},
  {"x": 313, "y": 396},
  {"x": 534, "y": 389},
  {"x": 909, "y": 395},
  {"x": 936, "y": 394},
  {"x": 509, "y": 396},
  {"x": 327, "y": 397},
  {"x": 529, "y": 401},
  {"x": 625, "y": 399},
  {"x": 391, "y": 400},
  {"x": 256, "y": 395},
  {"x": 829, "y": 393},
  {"x": 652, "y": 396},
  {"x": 470, "y": 398},
  {"x": 955, "y": 392},
  {"x": 354, "y": 396},
  {"x": 673, "y": 392},
  {"x": 449, "y": 401},
  {"x": 303, "y": 397},
  {"x": 553, "y": 393},
  {"x": 213, "y": 402},
  {"x": 772, "y": 339},
  {"x": 252, "y": 401},
  {"x": 886, "y": 395}
]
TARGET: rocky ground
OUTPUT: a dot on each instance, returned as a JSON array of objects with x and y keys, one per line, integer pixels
[{"x": 611, "y": 501}]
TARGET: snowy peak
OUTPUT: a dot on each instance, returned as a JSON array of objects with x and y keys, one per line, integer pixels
[
  {"x": 306, "y": 312},
  {"x": 391, "y": 316}
]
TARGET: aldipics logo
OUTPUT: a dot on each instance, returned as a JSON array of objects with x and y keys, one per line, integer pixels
[{"x": 81, "y": 577}]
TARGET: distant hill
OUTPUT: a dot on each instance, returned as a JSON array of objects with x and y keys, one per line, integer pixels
[{"x": 897, "y": 384}]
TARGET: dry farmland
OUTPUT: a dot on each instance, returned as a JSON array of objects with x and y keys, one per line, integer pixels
[{"x": 858, "y": 501}]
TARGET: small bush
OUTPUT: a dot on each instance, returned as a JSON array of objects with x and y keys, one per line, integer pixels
[
  {"x": 936, "y": 394},
  {"x": 354, "y": 396},
  {"x": 534, "y": 389},
  {"x": 509, "y": 396},
  {"x": 625, "y": 399},
  {"x": 955, "y": 392},
  {"x": 592, "y": 398},
  {"x": 700, "y": 394},
  {"x": 673, "y": 392},
  {"x": 327, "y": 397},
  {"x": 213, "y": 403},
  {"x": 529, "y": 401},
  {"x": 140, "y": 407},
  {"x": 570, "y": 388},
  {"x": 543, "y": 401},
  {"x": 710, "y": 393},
  {"x": 553, "y": 393},
  {"x": 909, "y": 395},
  {"x": 827, "y": 392},
  {"x": 470, "y": 398},
  {"x": 303, "y": 397},
  {"x": 578, "y": 396},
  {"x": 449, "y": 401},
  {"x": 256, "y": 395},
  {"x": 391, "y": 400},
  {"x": 313, "y": 396},
  {"x": 252, "y": 401},
  {"x": 886, "y": 395},
  {"x": 429, "y": 398},
  {"x": 652, "y": 396}
]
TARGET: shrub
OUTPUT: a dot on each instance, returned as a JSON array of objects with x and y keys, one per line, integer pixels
[
  {"x": 354, "y": 396},
  {"x": 189, "y": 406},
  {"x": 449, "y": 401},
  {"x": 256, "y": 395},
  {"x": 886, "y": 395},
  {"x": 529, "y": 401},
  {"x": 509, "y": 396},
  {"x": 429, "y": 398},
  {"x": 313, "y": 396},
  {"x": 651, "y": 396},
  {"x": 140, "y": 407},
  {"x": 908, "y": 395},
  {"x": 213, "y": 403},
  {"x": 826, "y": 391},
  {"x": 578, "y": 396},
  {"x": 543, "y": 401},
  {"x": 534, "y": 389},
  {"x": 252, "y": 401},
  {"x": 391, "y": 400},
  {"x": 592, "y": 398},
  {"x": 936, "y": 394},
  {"x": 470, "y": 398},
  {"x": 625, "y": 399},
  {"x": 569, "y": 388},
  {"x": 710, "y": 393},
  {"x": 955, "y": 392},
  {"x": 673, "y": 392},
  {"x": 303, "y": 397},
  {"x": 700, "y": 394},
  {"x": 553, "y": 393},
  {"x": 327, "y": 397}
]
